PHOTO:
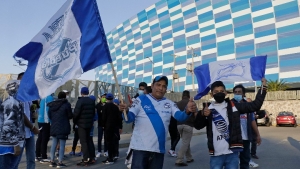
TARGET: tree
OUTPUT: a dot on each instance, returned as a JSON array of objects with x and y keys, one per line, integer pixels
[{"x": 276, "y": 85}]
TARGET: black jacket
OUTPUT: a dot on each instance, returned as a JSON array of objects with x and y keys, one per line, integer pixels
[
  {"x": 111, "y": 116},
  {"x": 60, "y": 113},
  {"x": 99, "y": 108},
  {"x": 181, "y": 105},
  {"x": 235, "y": 138},
  {"x": 84, "y": 112}
]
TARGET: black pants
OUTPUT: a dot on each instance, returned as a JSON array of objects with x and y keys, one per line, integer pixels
[
  {"x": 110, "y": 139},
  {"x": 253, "y": 145},
  {"x": 245, "y": 155},
  {"x": 175, "y": 137},
  {"x": 42, "y": 140},
  {"x": 91, "y": 148},
  {"x": 75, "y": 140},
  {"x": 86, "y": 147},
  {"x": 117, "y": 135}
]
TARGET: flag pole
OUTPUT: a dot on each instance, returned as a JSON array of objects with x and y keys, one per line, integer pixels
[{"x": 118, "y": 88}]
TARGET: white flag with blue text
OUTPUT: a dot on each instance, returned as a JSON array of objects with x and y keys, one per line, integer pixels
[
  {"x": 72, "y": 42},
  {"x": 250, "y": 69}
]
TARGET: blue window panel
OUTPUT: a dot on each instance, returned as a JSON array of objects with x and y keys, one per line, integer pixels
[
  {"x": 148, "y": 51},
  {"x": 163, "y": 14},
  {"x": 179, "y": 28},
  {"x": 173, "y": 3},
  {"x": 136, "y": 24},
  {"x": 265, "y": 33},
  {"x": 243, "y": 30},
  {"x": 210, "y": 46},
  {"x": 124, "y": 53},
  {"x": 225, "y": 47},
  {"x": 245, "y": 57},
  {"x": 142, "y": 16},
  {"x": 246, "y": 17},
  {"x": 189, "y": 80},
  {"x": 203, "y": 5},
  {"x": 118, "y": 52},
  {"x": 208, "y": 37},
  {"x": 219, "y": 4},
  {"x": 261, "y": 6},
  {"x": 178, "y": 21},
  {"x": 193, "y": 39},
  {"x": 139, "y": 57},
  {"x": 139, "y": 67},
  {"x": 155, "y": 26},
  {"x": 151, "y": 13},
  {"x": 175, "y": 12},
  {"x": 289, "y": 28},
  {"x": 207, "y": 16},
  {"x": 286, "y": 8},
  {"x": 147, "y": 79},
  {"x": 114, "y": 31},
  {"x": 167, "y": 58},
  {"x": 224, "y": 28},
  {"x": 204, "y": 61},
  {"x": 126, "y": 23},
  {"x": 291, "y": 79},
  {"x": 223, "y": 18},
  {"x": 179, "y": 45},
  {"x": 192, "y": 27},
  {"x": 239, "y": 5},
  {"x": 157, "y": 70},
  {"x": 156, "y": 44},
  {"x": 190, "y": 11},
  {"x": 207, "y": 28},
  {"x": 165, "y": 23},
  {"x": 125, "y": 73},
  {"x": 265, "y": 50},
  {"x": 242, "y": 49},
  {"x": 157, "y": 57},
  {"x": 263, "y": 17},
  {"x": 272, "y": 59},
  {"x": 137, "y": 35},
  {"x": 147, "y": 40},
  {"x": 131, "y": 46},
  {"x": 288, "y": 42},
  {"x": 155, "y": 33},
  {"x": 166, "y": 35},
  {"x": 139, "y": 46}
]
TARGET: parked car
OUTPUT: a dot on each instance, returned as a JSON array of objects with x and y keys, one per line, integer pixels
[
  {"x": 284, "y": 118},
  {"x": 264, "y": 118}
]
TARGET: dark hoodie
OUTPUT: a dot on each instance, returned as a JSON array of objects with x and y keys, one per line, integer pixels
[{"x": 60, "y": 113}]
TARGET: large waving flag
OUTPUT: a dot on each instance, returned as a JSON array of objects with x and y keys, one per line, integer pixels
[
  {"x": 250, "y": 69},
  {"x": 72, "y": 42}
]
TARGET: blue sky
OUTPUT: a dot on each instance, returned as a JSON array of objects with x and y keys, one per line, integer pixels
[{"x": 21, "y": 20}]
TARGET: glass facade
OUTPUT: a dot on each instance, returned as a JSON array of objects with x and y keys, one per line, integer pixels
[{"x": 144, "y": 45}]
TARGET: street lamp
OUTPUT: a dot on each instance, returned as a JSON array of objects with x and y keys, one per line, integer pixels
[
  {"x": 190, "y": 67},
  {"x": 152, "y": 68},
  {"x": 175, "y": 75}
]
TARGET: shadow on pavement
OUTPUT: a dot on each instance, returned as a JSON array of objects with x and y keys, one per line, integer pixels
[{"x": 295, "y": 143}]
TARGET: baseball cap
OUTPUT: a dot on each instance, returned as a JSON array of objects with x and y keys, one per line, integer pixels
[
  {"x": 158, "y": 78},
  {"x": 109, "y": 96},
  {"x": 104, "y": 94},
  {"x": 84, "y": 90},
  {"x": 116, "y": 101}
]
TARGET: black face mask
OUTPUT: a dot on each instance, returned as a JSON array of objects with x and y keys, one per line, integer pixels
[{"x": 219, "y": 97}]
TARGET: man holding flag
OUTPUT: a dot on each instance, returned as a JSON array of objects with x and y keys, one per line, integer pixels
[{"x": 222, "y": 117}]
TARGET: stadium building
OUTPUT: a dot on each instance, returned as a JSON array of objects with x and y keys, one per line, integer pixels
[{"x": 172, "y": 36}]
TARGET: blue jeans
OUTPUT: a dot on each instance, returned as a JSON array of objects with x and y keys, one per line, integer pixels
[
  {"x": 9, "y": 161},
  {"x": 229, "y": 161},
  {"x": 29, "y": 145},
  {"x": 245, "y": 155},
  {"x": 61, "y": 153},
  {"x": 147, "y": 160},
  {"x": 100, "y": 136}
]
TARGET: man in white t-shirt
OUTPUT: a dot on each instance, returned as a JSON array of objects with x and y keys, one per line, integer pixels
[
  {"x": 151, "y": 114},
  {"x": 222, "y": 121}
]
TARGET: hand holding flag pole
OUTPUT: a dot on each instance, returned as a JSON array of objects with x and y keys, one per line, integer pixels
[{"x": 119, "y": 91}]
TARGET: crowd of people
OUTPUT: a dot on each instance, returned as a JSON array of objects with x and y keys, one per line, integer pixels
[{"x": 232, "y": 133}]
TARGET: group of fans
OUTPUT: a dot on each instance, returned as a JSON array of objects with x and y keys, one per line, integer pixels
[{"x": 230, "y": 127}]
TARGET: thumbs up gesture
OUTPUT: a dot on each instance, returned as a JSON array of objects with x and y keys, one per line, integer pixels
[
  {"x": 206, "y": 111},
  {"x": 191, "y": 106}
]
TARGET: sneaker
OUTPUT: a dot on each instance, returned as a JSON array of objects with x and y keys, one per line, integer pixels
[
  {"x": 254, "y": 156},
  {"x": 43, "y": 161},
  {"x": 107, "y": 161},
  {"x": 172, "y": 153},
  {"x": 37, "y": 159},
  {"x": 72, "y": 153},
  {"x": 61, "y": 165},
  {"x": 253, "y": 164},
  {"x": 79, "y": 154},
  {"x": 116, "y": 158},
  {"x": 98, "y": 154},
  {"x": 105, "y": 154},
  {"x": 52, "y": 164},
  {"x": 129, "y": 166}
]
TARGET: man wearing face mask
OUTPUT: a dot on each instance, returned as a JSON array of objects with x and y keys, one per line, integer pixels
[
  {"x": 222, "y": 121},
  {"x": 99, "y": 108},
  {"x": 142, "y": 90},
  {"x": 247, "y": 124}
]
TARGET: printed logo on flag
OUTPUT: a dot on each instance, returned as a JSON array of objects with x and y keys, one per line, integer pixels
[
  {"x": 60, "y": 57},
  {"x": 232, "y": 69}
]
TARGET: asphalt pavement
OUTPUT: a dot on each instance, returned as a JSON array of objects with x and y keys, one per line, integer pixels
[{"x": 280, "y": 149}]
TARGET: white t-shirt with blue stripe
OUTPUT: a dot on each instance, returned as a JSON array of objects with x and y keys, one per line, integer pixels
[{"x": 152, "y": 119}]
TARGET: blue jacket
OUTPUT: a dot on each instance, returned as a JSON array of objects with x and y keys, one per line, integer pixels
[{"x": 43, "y": 112}]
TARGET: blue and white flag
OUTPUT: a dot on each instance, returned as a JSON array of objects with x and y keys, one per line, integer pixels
[
  {"x": 72, "y": 42},
  {"x": 250, "y": 69}
]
